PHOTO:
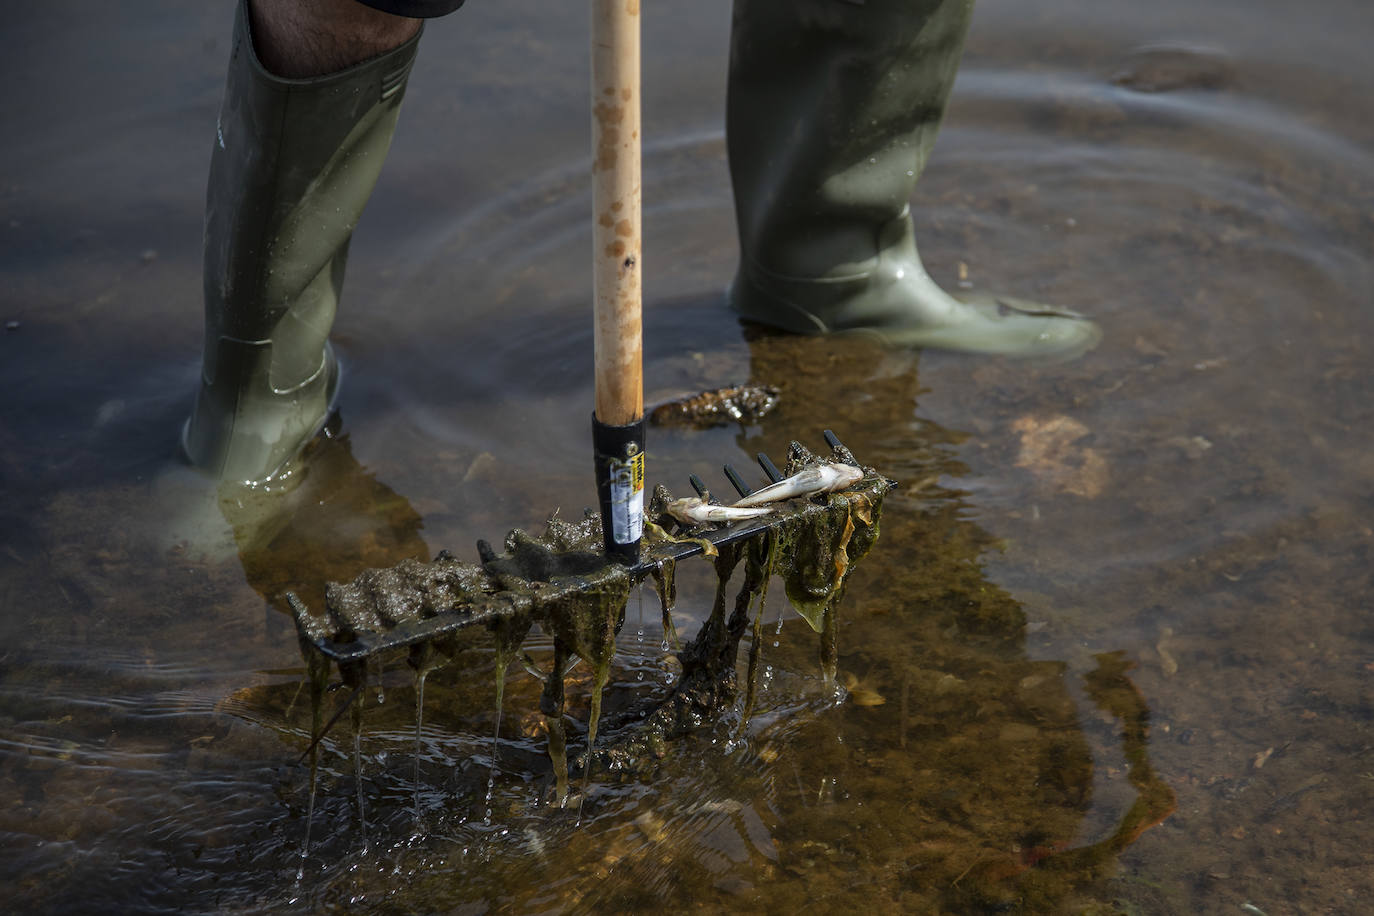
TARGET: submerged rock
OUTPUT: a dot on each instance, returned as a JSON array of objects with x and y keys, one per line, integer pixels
[
  {"x": 743, "y": 404},
  {"x": 1171, "y": 67}
]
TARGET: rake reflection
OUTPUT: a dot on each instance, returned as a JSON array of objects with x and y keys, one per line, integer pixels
[{"x": 941, "y": 767}]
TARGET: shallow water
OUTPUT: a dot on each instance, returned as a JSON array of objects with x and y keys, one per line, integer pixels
[{"x": 1191, "y": 499}]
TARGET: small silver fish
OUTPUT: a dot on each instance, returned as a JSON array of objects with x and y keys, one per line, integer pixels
[
  {"x": 825, "y": 477},
  {"x": 694, "y": 511}
]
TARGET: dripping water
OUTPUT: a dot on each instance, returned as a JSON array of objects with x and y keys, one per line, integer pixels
[
  {"x": 600, "y": 675},
  {"x": 756, "y": 636},
  {"x": 503, "y": 655},
  {"x": 421, "y": 673},
  {"x": 552, "y": 705},
  {"x": 355, "y": 717},
  {"x": 830, "y": 647},
  {"x": 639, "y": 633},
  {"x": 419, "y": 728},
  {"x": 317, "y": 672}
]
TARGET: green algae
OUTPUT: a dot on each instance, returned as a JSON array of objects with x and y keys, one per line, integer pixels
[
  {"x": 585, "y": 625},
  {"x": 664, "y": 575},
  {"x": 815, "y": 558},
  {"x": 508, "y": 635}
]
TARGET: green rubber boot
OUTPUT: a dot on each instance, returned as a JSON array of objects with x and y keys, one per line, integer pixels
[
  {"x": 294, "y": 164},
  {"x": 832, "y": 112}
]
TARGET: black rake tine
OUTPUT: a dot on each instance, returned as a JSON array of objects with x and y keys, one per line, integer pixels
[
  {"x": 840, "y": 450},
  {"x": 769, "y": 468},
  {"x": 330, "y": 724},
  {"x": 736, "y": 481},
  {"x": 699, "y": 486}
]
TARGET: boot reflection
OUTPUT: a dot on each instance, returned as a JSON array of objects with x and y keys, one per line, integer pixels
[
  {"x": 327, "y": 522},
  {"x": 857, "y": 386}
]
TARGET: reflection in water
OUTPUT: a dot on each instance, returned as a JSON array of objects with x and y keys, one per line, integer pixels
[
  {"x": 951, "y": 771},
  {"x": 330, "y": 517}
]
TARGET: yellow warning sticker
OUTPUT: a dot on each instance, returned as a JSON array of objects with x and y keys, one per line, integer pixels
[{"x": 637, "y": 472}]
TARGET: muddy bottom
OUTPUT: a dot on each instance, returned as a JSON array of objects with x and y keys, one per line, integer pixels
[{"x": 1110, "y": 654}]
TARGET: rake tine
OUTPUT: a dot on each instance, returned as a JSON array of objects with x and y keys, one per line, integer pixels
[
  {"x": 736, "y": 481},
  {"x": 769, "y": 468},
  {"x": 841, "y": 450},
  {"x": 699, "y": 486}
]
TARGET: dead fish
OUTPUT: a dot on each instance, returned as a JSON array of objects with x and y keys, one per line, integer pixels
[
  {"x": 825, "y": 477},
  {"x": 694, "y": 511}
]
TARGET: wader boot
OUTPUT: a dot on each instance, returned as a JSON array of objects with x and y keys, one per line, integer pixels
[
  {"x": 833, "y": 107},
  {"x": 294, "y": 163}
]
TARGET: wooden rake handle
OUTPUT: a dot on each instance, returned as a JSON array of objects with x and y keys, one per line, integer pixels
[
  {"x": 616, "y": 211},
  {"x": 618, "y": 347}
]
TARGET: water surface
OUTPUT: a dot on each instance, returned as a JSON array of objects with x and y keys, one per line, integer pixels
[{"x": 1141, "y": 575}]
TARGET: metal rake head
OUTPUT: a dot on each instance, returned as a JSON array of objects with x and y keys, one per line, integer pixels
[{"x": 415, "y": 602}]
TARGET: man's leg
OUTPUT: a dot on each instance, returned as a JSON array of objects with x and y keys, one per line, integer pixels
[
  {"x": 833, "y": 110},
  {"x": 298, "y": 39},
  {"x": 310, "y": 104}
]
